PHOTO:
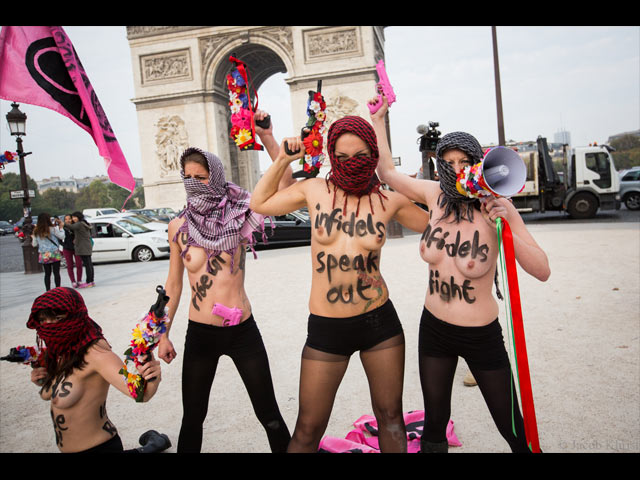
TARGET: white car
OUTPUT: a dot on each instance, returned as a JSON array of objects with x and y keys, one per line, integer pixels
[
  {"x": 140, "y": 220},
  {"x": 117, "y": 239}
]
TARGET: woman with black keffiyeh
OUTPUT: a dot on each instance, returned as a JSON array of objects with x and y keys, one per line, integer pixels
[
  {"x": 79, "y": 367},
  {"x": 209, "y": 239},
  {"x": 459, "y": 318},
  {"x": 349, "y": 305}
]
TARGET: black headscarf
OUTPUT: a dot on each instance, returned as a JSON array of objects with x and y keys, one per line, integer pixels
[{"x": 451, "y": 200}]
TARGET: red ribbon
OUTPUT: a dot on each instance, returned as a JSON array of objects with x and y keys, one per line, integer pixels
[{"x": 522, "y": 362}]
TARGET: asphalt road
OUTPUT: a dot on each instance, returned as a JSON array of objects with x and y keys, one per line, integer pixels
[{"x": 11, "y": 251}]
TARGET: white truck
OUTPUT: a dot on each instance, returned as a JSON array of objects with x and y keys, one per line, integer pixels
[{"x": 586, "y": 182}]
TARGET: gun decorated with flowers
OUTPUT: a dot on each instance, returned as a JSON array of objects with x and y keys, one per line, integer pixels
[
  {"x": 33, "y": 356},
  {"x": 243, "y": 130},
  {"x": 312, "y": 135},
  {"x": 145, "y": 338}
]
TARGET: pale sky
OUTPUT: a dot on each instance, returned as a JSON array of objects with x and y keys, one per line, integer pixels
[{"x": 585, "y": 80}]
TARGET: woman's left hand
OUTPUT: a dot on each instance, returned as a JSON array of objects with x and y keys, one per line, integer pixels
[{"x": 492, "y": 209}]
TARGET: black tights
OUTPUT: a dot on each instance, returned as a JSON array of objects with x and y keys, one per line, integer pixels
[
  {"x": 48, "y": 268},
  {"x": 497, "y": 387},
  {"x": 203, "y": 347},
  {"x": 88, "y": 267},
  {"x": 320, "y": 376}
]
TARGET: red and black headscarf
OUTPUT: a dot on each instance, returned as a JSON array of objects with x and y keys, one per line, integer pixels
[
  {"x": 356, "y": 175},
  {"x": 67, "y": 336}
]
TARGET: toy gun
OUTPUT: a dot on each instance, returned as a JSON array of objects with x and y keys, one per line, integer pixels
[
  {"x": 146, "y": 336},
  {"x": 312, "y": 135},
  {"x": 384, "y": 88},
  {"x": 33, "y": 356},
  {"x": 243, "y": 131},
  {"x": 231, "y": 316}
]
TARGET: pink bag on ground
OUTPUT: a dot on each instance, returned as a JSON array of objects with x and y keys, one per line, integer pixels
[{"x": 357, "y": 442}]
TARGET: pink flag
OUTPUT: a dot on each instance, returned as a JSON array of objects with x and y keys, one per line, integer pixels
[{"x": 39, "y": 66}]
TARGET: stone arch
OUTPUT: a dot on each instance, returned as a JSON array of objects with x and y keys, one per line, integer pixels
[{"x": 181, "y": 98}]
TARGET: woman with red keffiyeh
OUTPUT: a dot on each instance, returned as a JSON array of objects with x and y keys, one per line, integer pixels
[
  {"x": 79, "y": 369},
  {"x": 349, "y": 303},
  {"x": 209, "y": 239},
  {"x": 459, "y": 317}
]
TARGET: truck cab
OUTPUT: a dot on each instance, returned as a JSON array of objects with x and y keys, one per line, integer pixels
[{"x": 579, "y": 181}]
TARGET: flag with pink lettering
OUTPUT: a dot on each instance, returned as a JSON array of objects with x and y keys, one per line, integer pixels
[{"x": 39, "y": 66}]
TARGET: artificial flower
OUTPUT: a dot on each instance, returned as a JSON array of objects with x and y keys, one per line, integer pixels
[
  {"x": 243, "y": 136},
  {"x": 313, "y": 143}
]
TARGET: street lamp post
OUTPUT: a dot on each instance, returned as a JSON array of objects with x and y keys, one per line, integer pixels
[{"x": 17, "y": 121}]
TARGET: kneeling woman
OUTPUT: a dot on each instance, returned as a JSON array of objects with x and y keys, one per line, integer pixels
[
  {"x": 79, "y": 368},
  {"x": 209, "y": 238},
  {"x": 349, "y": 302}
]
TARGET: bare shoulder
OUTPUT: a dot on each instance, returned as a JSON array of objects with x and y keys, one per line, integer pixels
[{"x": 174, "y": 225}]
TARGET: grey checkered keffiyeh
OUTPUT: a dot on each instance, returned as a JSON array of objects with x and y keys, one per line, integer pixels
[
  {"x": 451, "y": 200},
  {"x": 217, "y": 216}
]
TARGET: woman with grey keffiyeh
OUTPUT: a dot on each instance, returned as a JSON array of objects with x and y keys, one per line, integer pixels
[
  {"x": 460, "y": 314},
  {"x": 209, "y": 239}
]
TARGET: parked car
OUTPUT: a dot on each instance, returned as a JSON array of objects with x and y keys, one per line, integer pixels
[
  {"x": 5, "y": 228},
  {"x": 292, "y": 229},
  {"x": 162, "y": 214},
  {"x": 96, "y": 212},
  {"x": 630, "y": 188},
  {"x": 121, "y": 239},
  {"x": 150, "y": 223}
]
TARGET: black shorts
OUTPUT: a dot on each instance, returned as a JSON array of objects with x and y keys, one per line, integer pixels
[
  {"x": 481, "y": 347},
  {"x": 113, "y": 445},
  {"x": 344, "y": 336},
  {"x": 237, "y": 341}
]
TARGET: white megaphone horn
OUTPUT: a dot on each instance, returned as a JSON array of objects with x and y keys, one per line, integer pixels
[
  {"x": 504, "y": 171},
  {"x": 501, "y": 173}
]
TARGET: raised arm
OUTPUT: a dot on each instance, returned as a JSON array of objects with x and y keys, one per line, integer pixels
[
  {"x": 272, "y": 147},
  {"x": 266, "y": 198},
  {"x": 416, "y": 189}
]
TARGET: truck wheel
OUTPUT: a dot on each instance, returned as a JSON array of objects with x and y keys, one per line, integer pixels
[
  {"x": 582, "y": 205},
  {"x": 142, "y": 254},
  {"x": 632, "y": 201}
]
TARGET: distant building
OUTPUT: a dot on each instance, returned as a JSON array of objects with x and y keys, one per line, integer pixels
[
  {"x": 562, "y": 137},
  {"x": 68, "y": 184},
  {"x": 73, "y": 184}
]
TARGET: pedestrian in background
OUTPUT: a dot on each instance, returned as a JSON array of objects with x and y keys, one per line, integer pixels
[
  {"x": 68, "y": 251},
  {"x": 83, "y": 245},
  {"x": 48, "y": 237}
]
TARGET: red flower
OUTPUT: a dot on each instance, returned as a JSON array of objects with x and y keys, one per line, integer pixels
[{"x": 313, "y": 143}]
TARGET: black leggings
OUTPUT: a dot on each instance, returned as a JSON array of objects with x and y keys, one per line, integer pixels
[
  {"x": 48, "y": 268},
  {"x": 243, "y": 343},
  {"x": 88, "y": 267},
  {"x": 440, "y": 344}
]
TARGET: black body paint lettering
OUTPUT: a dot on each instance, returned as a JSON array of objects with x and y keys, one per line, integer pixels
[
  {"x": 200, "y": 290},
  {"x": 449, "y": 290},
  {"x": 352, "y": 227},
  {"x": 346, "y": 263},
  {"x": 456, "y": 248}
]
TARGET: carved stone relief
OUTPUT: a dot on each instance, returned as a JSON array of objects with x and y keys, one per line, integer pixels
[
  {"x": 338, "y": 107},
  {"x": 165, "y": 67},
  {"x": 332, "y": 42},
  {"x": 171, "y": 140}
]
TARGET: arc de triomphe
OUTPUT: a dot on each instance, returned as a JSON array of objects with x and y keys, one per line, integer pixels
[{"x": 181, "y": 97}]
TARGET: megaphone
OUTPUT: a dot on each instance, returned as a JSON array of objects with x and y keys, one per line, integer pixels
[{"x": 501, "y": 173}]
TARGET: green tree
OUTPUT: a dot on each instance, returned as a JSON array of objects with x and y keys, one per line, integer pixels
[
  {"x": 11, "y": 209},
  {"x": 627, "y": 152}
]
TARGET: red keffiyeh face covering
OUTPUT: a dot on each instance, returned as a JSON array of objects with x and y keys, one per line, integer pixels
[
  {"x": 356, "y": 175},
  {"x": 69, "y": 335}
]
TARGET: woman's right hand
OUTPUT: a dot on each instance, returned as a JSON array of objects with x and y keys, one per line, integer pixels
[
  {"x": 165, "y": 349},
  {"x": 38, "y": 375},
  {"x": 295, "y": 146}
]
